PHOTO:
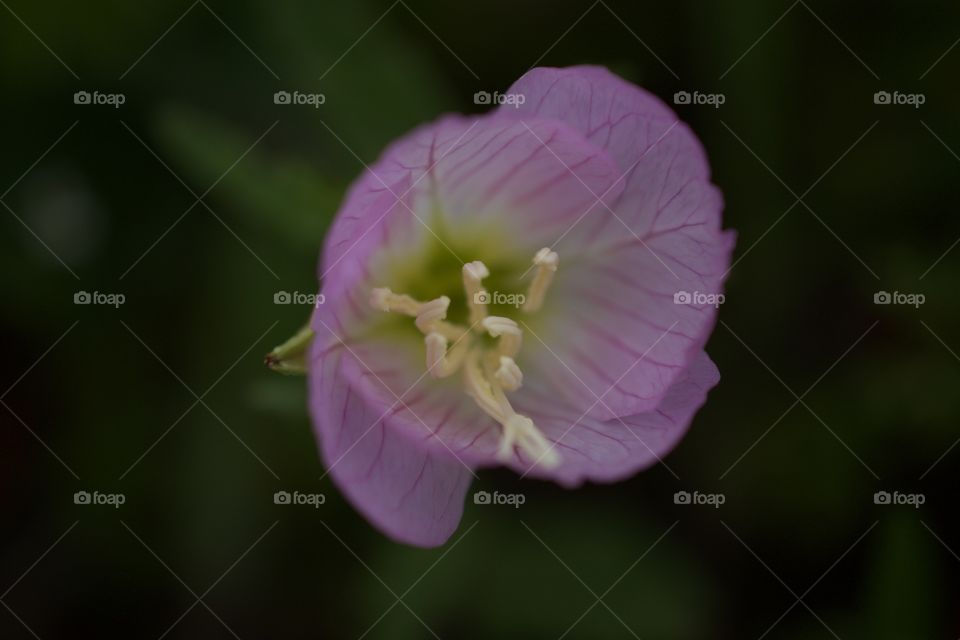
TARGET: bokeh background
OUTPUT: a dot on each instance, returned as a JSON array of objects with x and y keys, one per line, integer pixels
[{"x": 199, "y": 198}]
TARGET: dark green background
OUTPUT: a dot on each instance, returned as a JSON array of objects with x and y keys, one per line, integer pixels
[{"x": 798, "y": 504}]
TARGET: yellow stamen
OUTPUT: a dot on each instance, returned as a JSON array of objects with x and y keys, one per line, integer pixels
[
  {"x": 488, "y": 372},
  {"x": 519, "y": 431},
  {"x": 431, "y": 313},
  {"x": 508, "y": 374},
  {"x": 546, "y": 262},
  {"x": 383, "y": 299},
  {"x": 478, "y": 387},
  {"x": 442, "y": 362},
  {"x": 477, "y": 297},
  {"x": 509, "y": 334}
]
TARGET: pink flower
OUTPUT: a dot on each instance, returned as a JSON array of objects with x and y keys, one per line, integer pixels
[{"x": 530, "y": 288}]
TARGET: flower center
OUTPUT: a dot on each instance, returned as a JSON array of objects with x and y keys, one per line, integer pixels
[{"x": 489, "y": 368}]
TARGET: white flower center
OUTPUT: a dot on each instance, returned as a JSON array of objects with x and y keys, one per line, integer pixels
[{"x": 488, "y": 371}]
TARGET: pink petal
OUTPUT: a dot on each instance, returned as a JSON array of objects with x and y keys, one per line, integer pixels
[
  {"x": 390, "y": 375},
  {"x": 413, "y": 494},
  {"x": 614, "y": 449},
  {"x": 609, "y": 111},
  {"x": 620, "y": 337},
  {"x": 524, "y": 179}
]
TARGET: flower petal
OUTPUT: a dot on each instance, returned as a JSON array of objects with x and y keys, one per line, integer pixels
[
  {"x": 436, "y": 414},
  {"x": 529, "y": 180},
  {"x": 614, "y": 449},
  {"x": 619, "y": 336},
  {"x": 609, "y": 111},
  {"x": 410, "y": 492},
  {"x": 518, "y": 183}
]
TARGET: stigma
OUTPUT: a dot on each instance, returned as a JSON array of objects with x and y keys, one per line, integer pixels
[{"x": 488, "y": 368}]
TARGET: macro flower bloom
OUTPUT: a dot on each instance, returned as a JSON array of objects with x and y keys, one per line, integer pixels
[{"x": 523, "y": 288}]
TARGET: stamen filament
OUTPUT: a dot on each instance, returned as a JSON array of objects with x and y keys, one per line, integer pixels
[
  {"x": 443, "y": 362},
  {"x": 509, "y": 334},
  {"x": 479, "y": 388},
  {"x": 488, "y": 372},
  {"x": 519, "y": 431},
  {"x": 384, "y": 299},
  {"x": 546, "y": 262},
  {"x": 430, "y": 315},
  {"x": 477, "y": 297}
]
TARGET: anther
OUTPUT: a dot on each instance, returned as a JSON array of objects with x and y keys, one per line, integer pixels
[
  {"x": 432, "y": 312},
  {"x": 509, "y": 333},
  {"x": 508, "y": 374}
]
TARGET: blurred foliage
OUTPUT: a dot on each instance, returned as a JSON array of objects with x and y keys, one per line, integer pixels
[
  {"x": 116, "y": 400},
  {"x": 307, "y": 200}
]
